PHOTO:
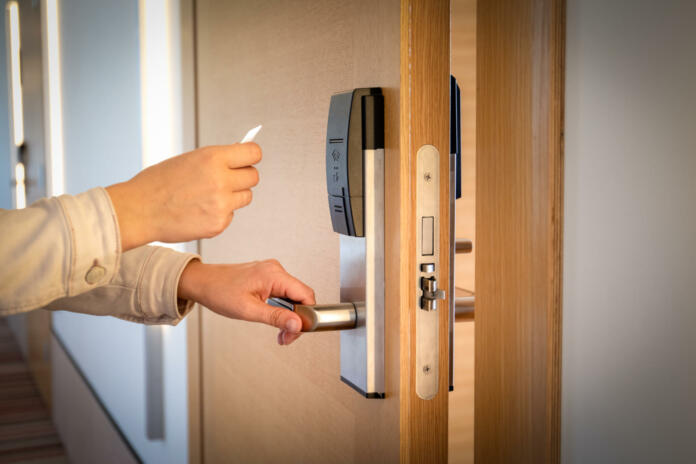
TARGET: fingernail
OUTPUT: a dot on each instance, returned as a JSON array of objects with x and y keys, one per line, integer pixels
[
  {"x": 292, "y": 326},
  {"x": 280, "y": 338}
]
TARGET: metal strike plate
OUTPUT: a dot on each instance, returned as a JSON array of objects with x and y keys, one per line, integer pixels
[{"x": 427, "y": 270}]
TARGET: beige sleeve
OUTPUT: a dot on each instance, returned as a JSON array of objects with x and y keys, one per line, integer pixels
[
  {"x": 144, "y": 289},
  {"x": 66, "y": 252},
  {"x": 57, "y": 247}
]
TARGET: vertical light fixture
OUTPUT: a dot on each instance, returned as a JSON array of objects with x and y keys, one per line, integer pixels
[
  {"x": 12, "y": 13},
  {"x": 161, "y": 139},
  {"x": 17, "y": 104},
  {"x": 20, "y": 188},
  {"x": 159, "y": 93},
  {"x": 157, "y": 96},
  {"x": 53, "y": 97}
]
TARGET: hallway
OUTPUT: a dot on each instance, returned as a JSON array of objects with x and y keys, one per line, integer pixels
[{"x": 27, "y": 434}]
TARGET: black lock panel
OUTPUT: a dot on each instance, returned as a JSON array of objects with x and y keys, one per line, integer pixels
[
  {"x": 337, "y": 144},
  {"x": 456, "y": 134},
  {"x": 339, "y": 218},
  {"x": 344, "y": 156}
]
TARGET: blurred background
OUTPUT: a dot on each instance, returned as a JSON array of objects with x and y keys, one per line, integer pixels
[{"x": 94, "y": 94}]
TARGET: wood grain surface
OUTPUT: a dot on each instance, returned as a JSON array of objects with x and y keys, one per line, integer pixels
[
  {"x": 518, "y": 229},
  {"x": 277, "y": 63},
  {"x": 425, "y": 73}
]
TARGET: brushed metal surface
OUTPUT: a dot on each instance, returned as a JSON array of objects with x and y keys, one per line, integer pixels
[
  {"x": 362, "y": 283},
  {"x": 427, "y": 322},
  {"x": 452, "y": 232},
  {"x": 154, "y": 382},
  {"x": 462, "y": 245},
  {"x": 320, "y": 318}
]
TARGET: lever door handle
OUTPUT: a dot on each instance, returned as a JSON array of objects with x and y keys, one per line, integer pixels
[
  {"x": 462, "y": 245},
  {"x": 464, "y": 308},
  {"x": 320, "y": 318}
]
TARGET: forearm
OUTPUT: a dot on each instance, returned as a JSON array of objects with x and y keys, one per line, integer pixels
[{"x": 136, "y": 230}]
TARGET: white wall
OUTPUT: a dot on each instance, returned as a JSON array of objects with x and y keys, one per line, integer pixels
[
  {"x": 103, "y": 140},
  {"x": 629, "y": 316}
]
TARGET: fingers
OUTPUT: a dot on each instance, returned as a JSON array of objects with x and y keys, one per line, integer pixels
[
  {"x": 281, "y": 318},
  {"x": 243, "y": 178},
  {"x": 239, "y": 200},
  {"x": 287, "y": 286},
  {"x": 240, "y": 154},
  {"x": 286, "y": 338}
]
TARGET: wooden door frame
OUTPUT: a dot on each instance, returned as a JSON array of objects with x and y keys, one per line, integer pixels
[
  {"x": 520, "y": 75},
  {"x": 425, "y": 70},
  {"x": 519, "y": 205}
]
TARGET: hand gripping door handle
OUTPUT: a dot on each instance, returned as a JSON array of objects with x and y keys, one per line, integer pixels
[{"x": 320, "y": 318}]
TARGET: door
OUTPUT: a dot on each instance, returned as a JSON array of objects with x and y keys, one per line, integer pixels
[
  {"x": 278, "y": 63},
  {"x": 519, "y": 191}
]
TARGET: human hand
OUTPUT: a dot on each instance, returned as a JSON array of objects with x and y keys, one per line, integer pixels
[
  {"x": 187, "y": 197},
  {"x": 240, "y": 291}
]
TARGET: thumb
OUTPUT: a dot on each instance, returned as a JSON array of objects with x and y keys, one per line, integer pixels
[{"x": 281, "y": 318}]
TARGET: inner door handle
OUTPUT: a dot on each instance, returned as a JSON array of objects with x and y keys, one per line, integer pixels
[
  {"x": 319, "y": 318},
  {"x": 463, "y": 246}
]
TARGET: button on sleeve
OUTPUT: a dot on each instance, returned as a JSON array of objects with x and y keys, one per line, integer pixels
[{"x": 95, "y": 243}]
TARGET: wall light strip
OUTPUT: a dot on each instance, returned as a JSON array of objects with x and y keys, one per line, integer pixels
[
  {"x": 20, "y": 186},
  {"x": 160, "y": 140},
  {"x": 15, "y": 74},
  {"x": 156, "y": 82},
  {"x": 160, "y": 91},
  {"x": 54, "y": 97}
]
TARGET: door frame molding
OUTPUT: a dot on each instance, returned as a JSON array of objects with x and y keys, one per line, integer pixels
[
  {"x": 425, "y": 70},
  {"x": 519, "y": 220}
]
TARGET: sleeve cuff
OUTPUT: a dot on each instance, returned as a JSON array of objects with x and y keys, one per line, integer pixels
[
  {"x": 95, "y": 241},
  {"x": 156, "y": 295}
]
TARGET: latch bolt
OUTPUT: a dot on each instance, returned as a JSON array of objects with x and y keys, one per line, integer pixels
[{"x": 430, "y": 293}]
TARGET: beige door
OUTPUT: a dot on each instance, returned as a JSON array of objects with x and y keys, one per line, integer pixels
[{"x": 277, "y": 63}]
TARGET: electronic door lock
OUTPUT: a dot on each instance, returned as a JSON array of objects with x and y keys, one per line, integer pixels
[
  {"x": 355, "y": 188},
  {"x": 430, "y": 293}
]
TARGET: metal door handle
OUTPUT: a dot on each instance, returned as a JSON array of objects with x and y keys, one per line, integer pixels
[
  {"x": 319, "y": 318},
  {"x": 464, "y": 308},
  {"x": 462, "y": 245}
]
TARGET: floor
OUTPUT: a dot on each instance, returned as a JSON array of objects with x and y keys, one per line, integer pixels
[{"x": 26, "y": 432}]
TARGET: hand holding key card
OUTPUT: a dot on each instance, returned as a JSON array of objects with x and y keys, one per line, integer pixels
[{"x": 187, "y": 197}]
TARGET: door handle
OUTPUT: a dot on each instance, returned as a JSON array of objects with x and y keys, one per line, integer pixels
[
  {"x": 464, "y": 307},
  {"x": 321, "y": 318},
  {"x": 463, "y": 246}
]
